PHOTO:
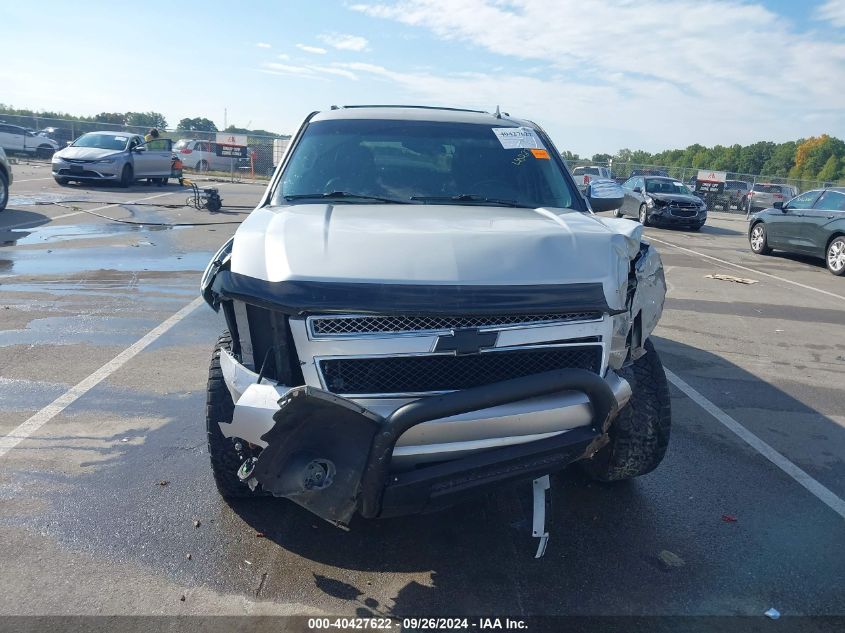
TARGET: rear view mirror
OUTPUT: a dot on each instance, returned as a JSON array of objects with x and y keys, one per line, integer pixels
[
  {"x": 605, "y": 195},
  {"x": 780, "y": 205}
]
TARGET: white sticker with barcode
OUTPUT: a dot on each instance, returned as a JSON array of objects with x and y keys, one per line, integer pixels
[{"x": 518, "y": 137}]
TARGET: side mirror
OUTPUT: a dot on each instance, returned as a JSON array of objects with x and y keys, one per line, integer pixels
[
  {"x": 604, "y": 195},
  {"x": 780, "y": 205},
  {"x": 637, "y": 190}
]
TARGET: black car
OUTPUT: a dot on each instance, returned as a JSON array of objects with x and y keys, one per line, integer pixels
[
  {"x": 810, "y": 224},
  {"x": 657, "y": 200}
]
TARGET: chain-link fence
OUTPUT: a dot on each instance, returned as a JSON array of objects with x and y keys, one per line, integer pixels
[
  {"x": 739, "y": 189},
  {"x": 197, "y": 149}
]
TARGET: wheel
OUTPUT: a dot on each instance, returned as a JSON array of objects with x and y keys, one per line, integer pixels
[
  {"x": 202, "y": 165},
  {"x": 4, "y": 191},
  {"x": 644, "y": 215},
  {"x": 743, "y": 204},
  {"x": 640, "y": 433},
  {"x": 44, "y": 151},
  {"x": 758, "y": 241},
  {"x": 617, "y": 213},
  {"x": 62, "y": 182},
  {"x": 220, "y": 408},
  {"x": 835, "y": 255},
  {"x": 126, "y": 177}
]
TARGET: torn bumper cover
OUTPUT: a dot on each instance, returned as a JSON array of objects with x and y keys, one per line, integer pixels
[{"x": 332, "y": 456}]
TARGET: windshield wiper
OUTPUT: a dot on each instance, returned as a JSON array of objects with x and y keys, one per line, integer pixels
[
  {"x": 472, "y": 197},
  {"x": 344, "y": 194}
]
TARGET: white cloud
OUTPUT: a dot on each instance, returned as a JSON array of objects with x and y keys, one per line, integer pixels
[
  {"x": 667, "y": 71},
  {"x": 832, "y": 11},
  {"x": 263, "y": 45},
  {"x": 308, "y": 71},
  {"x": 284, "y": 56},
  {"x": 316, "y": 50},
  {"x": 345, "y": 42}
]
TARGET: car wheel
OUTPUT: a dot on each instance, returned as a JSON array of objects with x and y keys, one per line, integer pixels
[
  {"x": 225, "y": 460},
  {"x": 202, "y": 165},
  {"x": 617, "y": 213},
  {"x": 62, "y": 182},
  {"x": 835, "y": 256},
  {"x": 640, "y": 433},
  {"x": 757, "y": 239},
  {"x": 45, "y": 151},
  {"x": 743, "y": 204},
  {"x": 644, "y": 215},
  {"x": 4, "y": 191},
  {"x": 126, "y": 176}
]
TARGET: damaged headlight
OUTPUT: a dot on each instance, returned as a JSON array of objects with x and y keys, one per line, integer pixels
[
  {"x": 619, "y": 340},
  {"x": 220, "y": 259}
]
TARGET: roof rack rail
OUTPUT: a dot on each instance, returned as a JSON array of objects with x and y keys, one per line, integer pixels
[{"x": 421, "y": 107}]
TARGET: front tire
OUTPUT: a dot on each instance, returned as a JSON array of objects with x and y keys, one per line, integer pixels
[
  {"x": 644, "y": 215},
  {"x": 617, "y": 213},
  {"x": 220, "y": 408},
  {"x": 4, "y": 191},
  {"x": 45, "y": 151},
  {"x": 835, "y": 256},
  {"x": 758, "y": 240},
  {"x": 62, "y": 182},
  {"x": 639, "y": 435},
  {"x": 126, "y": 176}
]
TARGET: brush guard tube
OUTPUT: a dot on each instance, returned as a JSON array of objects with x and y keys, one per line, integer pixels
[{"x": 318, "y": 432}]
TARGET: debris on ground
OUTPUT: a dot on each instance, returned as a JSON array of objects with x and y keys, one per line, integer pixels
[
  {"x": 182, "y": 598},
  {"x": 670, "y": 560},
  {"x": 163, "y": 482},
  {"x": 248, "y": 562},
  {"x": 259, "y": 535},
  {"x": 125, "y": 439},
  {"x": 729, "y": 518},
  {"x": 197, "y": 523},
  {"x": 738, "y": 280},
  {"x": 188, "y": 556},
  {"x": 772, "y": 614}
]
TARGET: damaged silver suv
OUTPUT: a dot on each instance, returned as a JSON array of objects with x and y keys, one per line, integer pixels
[{"x": 424, "y": 306}]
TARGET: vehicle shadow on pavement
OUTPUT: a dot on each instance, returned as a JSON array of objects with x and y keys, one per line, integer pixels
[
  {"x": 14, "y": 217},
  {"x": 152, "y": 500}
]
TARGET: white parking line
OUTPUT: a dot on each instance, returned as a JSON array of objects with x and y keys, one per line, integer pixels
[
  {"x": 31, "y": 179},
  {"x": 35, "y": 422},
  {"x": 822, "y": 493},
  {"x": 752, "y": 270},
  {"x": 67, "y": 215}
]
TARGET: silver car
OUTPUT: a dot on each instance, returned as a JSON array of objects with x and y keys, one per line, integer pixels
[
  {"x": 765, "y": 195},
  {"x": 202, "y": 156},
  {"x": 113, "y": 157}
]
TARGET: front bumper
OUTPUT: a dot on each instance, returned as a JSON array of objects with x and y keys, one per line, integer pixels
[
  {"x": 86, "y": 171},
  {"x": 333, "y": 457},
  {"x": 663, "y": 217}
]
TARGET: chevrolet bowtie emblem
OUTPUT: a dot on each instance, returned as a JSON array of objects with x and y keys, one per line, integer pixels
[{"x": 467, "y": 341}]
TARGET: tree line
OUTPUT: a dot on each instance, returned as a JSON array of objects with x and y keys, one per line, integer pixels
[
  {"x": 818, "y": 158},
  {"x": 37, "y": 120}
]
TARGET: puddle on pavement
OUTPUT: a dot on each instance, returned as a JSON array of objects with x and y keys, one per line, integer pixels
[
  {"x": 93, "y": 330},
  {"x": 75, "y": 260},
  {"x": 61, "y": 233}
]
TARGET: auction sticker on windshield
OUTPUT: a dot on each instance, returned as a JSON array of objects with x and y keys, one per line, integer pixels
[{"x": 518, "y": 137}]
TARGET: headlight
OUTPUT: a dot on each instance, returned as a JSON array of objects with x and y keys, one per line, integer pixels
[
  {"x": 104, "y": 161},
  {"x": 649, "y": 202}
]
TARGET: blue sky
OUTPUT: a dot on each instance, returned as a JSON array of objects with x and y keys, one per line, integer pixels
[{"x": 598, "y": 76}]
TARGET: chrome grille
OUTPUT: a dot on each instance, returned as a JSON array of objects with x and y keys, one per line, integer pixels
[
  {"x": 385, "y": 324},
  {"x": 436, "y": 373}
]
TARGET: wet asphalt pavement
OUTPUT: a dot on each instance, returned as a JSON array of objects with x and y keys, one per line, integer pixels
[{"x": 109, "y": 507}]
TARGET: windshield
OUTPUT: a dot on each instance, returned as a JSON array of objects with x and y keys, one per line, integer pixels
[
  {"x": 667, "y": 186},
  {"x": 768, "y": 188},
  {"x": 102, "y": 141},
  {"x": 580, "y": 171},
  {"x": 422, "y": 161}
]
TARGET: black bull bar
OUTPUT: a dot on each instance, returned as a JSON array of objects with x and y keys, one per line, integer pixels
[{"x": 333, "y": 457}]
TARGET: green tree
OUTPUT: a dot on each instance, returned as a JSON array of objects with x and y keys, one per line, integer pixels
[
  {"x": 146, "y": 119},
  {"x": 115, "y": 118},
  {"x": 197, "y": 124},
  {"x": 601, "y": 158},
  {"x": 830, "y": 171}
]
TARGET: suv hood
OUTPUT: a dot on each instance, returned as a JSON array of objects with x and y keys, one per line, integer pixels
[
  {"x": 86, "y": 153},
  {"x": 436, "y": 244}
]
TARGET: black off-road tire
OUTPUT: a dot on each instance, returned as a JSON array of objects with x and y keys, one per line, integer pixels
[
  {"x": 220, "y": 408},
  {"x": 640, "y": 433}
]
